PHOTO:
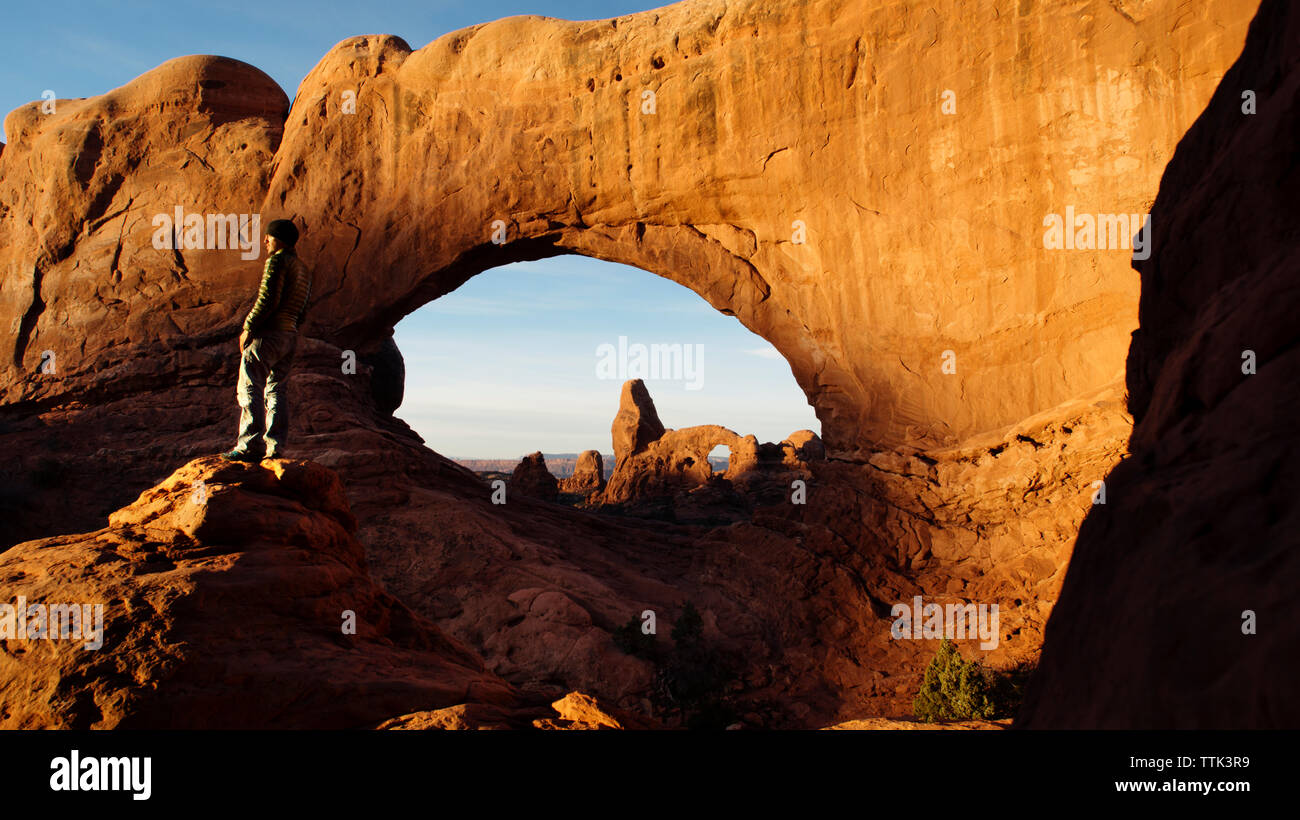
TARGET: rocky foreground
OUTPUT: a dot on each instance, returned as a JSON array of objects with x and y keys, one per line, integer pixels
[{"x": 235, "y": 596}]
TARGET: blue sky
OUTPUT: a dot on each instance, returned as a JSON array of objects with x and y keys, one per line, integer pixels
[
  {"x": 87, "y": 47},
  {"x": 507, "y": 363}
]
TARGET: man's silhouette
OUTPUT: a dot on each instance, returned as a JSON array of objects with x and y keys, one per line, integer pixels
[{"x": 267, "y": 347}]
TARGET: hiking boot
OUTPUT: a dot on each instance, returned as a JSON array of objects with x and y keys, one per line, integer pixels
[{"x": 241, "y": 455}]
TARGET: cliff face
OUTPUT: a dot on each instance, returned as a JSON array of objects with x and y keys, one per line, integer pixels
[
  {"x": 800, "y": 166},
  {"x": 794, "y": 164},
  {"x": 1178, "y": 606}
]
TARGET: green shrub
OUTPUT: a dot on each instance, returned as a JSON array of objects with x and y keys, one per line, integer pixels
[
  {"x": 689, "y": 627},
  {"x": 955, "y": 689},
  {"x": 692, "y": 679},
  {"x": 633, "y": 641}
]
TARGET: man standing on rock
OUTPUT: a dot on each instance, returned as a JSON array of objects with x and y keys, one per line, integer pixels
[{"x": 267, "y": 346}]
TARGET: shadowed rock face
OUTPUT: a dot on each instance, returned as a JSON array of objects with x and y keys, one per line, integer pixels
[
  {"x": 1201, "y": 522},
  {"x": 531, "y": 478},
  {"x": 224, "y": 595},
  {"x": 776, "y": 178},
  {"x": 388, "y": 376}
]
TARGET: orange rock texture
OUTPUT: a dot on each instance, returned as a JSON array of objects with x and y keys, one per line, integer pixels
[
  {"x": 922, "y": 231},
  {"x": 588, "y": 474},
  {"x": 226, "y": 595},
  {"x": 864, "y": 184},
  {"x": 1178, "y": 606},
  {"x": 669, "y": 472}
]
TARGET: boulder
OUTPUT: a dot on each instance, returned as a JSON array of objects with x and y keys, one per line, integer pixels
[
  {"x": 580, "y": 711},
  {"x": 238, "y": 597},
  {"x": 588, "y": 475},
  {"x": 531, "y": 478}
]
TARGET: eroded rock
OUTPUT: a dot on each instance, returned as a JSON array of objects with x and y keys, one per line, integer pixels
[
  {"x": 228, "y": 591},
  {"x": 919, "y": 242},
  {"x": 588, "y": 475},
  {"x": 1177, "y": 610},
  {"x": 531, "y": 478},
  {"x": 668, "y": 472}
]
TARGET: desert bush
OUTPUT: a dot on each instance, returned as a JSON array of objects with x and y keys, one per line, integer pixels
[
  {"x": 689, "y": 627},
  {"x": 633, "y": 641},
  {"x": 957, "y": 689},
  {"x": 692, "y": 680},
  {"x": 954, "y": 688}
]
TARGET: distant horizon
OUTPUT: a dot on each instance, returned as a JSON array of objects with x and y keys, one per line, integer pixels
[
  {"x": 604, "y": 456},
  {"x": 519, "y": 359}
]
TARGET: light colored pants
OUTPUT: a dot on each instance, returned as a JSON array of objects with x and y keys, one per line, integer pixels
[{"x": 263, "y": 391}]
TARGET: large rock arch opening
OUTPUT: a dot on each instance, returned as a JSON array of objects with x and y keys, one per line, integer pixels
[
  {"x": 715, "y": 187},
  {"x": 533, "y": 356},
  {"x": 782, "y": 190},
  {"x": 800, "y": 172}
]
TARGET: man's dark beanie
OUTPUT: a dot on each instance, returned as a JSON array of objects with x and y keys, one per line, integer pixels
[{"x": 283, "y": 230}]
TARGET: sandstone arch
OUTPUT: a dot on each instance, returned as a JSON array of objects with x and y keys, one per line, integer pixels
[
  {"x": 529, "y": 120},
  {"x": 929, "y": 221}
]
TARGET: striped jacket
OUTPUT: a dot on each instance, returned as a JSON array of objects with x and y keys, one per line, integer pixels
[{"x": 282, "y": 299}]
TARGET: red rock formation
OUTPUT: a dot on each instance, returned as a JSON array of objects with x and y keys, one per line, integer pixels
[
  {"x": 1045, "y": 94},
  {"x": 225, "y": 591},
  {"x": 802, "y": 446},
  {"x": 139, "y": 333},
  {"x": 664, "y": 467},
  {"x": 583, "y": 712},
  {"x": 765, "y": 472},
  {"x": 993, "y": 303},
  {"x": 678, "y": 460},
  {"x": 1198, "y": 536},
  {"x": 588, "y": 475},
  {"x": 876, "y": 724},
  {"x": 637, "y": 422},
  {"x": 531, "y": 478},
  {"x": 919, "y": 240},
  {"x": 461, "y": 717},
  {"x": 81, "y": 189}
]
